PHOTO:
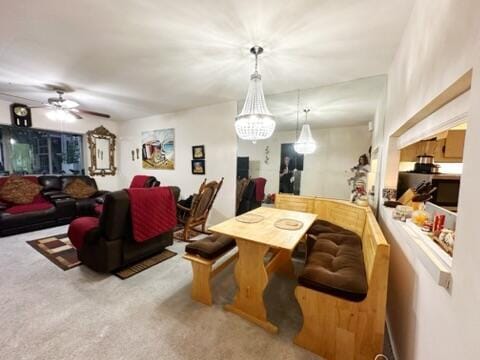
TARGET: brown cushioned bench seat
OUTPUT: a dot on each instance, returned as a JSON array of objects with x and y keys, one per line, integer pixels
[
  {"x": 322, "y": 226},
  {"x": 335, "y": 263},
  {"x": 211, "y": 247},
  {"x": 334, "y": 326},
  {"x": 203, "y": 254}
]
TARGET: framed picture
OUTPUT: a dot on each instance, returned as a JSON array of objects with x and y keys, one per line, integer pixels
[
  {"x": 291, "y": 167},
  {"x": 158, "y": 149},
  {"x": 198, "y": 152},
  {"x": 198, "y": 167}
]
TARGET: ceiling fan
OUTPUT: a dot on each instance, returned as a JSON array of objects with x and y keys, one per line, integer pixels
[
  {"x": 61, "y": 105},
  {"x": 61, "y": 108}
]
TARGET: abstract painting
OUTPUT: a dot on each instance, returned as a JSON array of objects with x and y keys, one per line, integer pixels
[{"x": 158, "y": 149}]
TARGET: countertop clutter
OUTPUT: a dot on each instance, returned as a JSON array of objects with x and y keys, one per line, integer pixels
[
  {"x": 435, "y": 260},
  {"x": 435, "y": 222}
]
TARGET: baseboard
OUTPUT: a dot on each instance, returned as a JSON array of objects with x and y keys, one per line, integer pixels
[{"x": 390, "y": 337}]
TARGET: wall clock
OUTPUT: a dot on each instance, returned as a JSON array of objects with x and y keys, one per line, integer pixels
[{"x": 21, "y": 115}]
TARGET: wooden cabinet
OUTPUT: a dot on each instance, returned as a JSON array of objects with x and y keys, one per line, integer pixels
[
  {"x": 427, "y": 147},
  {"x": 454, "y": 144},
  {"x": 438, "y": 154},
  {"x": 446, "y": 148},
  {"x": 409, "y": 153}
]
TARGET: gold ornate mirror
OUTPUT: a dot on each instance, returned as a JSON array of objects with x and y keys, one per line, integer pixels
[{"x": 101, "y": 144}]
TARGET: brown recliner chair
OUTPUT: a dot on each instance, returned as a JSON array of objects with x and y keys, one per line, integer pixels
[
  {"x": 144, "y": 181},
  {"x": 138, "y": 181},
  {"x": 107, "y": 243}
]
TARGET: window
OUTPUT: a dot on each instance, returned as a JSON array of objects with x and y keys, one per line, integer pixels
[{"x": 31, "y": 151}]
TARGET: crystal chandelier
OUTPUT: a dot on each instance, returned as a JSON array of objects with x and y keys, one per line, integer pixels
[
  {"x": 255, "y": 122},
  {"x": 305, "y": 143}
]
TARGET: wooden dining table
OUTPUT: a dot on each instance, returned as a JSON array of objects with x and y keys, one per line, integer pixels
[{"x": 258, "y": 232}]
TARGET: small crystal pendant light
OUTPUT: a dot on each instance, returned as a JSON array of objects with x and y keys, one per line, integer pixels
[
  {"x": 305, "y": 143},
  {"x": 255, "y": 122}
]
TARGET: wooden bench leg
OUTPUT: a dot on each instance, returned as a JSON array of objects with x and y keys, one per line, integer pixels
[
  {"x": 337, "y": 329},
  {"x": 201, "y": 290}
]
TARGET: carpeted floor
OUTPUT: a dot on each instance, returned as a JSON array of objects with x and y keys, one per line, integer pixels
[{"x": 47, "y": 313}]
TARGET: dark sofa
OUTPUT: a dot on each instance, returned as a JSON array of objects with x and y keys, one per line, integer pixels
[
  {"x": 107, "y": 242},
  {"x": 53, "y": 187},
  {"x": 50, "y": 208}
]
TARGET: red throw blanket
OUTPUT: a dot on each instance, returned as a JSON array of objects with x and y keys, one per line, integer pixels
[
  {"x": 260, "y": 188},
  {"x": 139, "y": 181},
  {"x": 79, "y": 228},
  {"x": 153, "y": 212}
]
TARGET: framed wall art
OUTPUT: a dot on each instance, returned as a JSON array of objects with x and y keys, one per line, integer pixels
[
  {"x": 158, "y": 149},
  {"x": 198, "y": 152},
  {"x": 198, "y": 167}
]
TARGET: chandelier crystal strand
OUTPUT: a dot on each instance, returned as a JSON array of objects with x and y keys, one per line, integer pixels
[
  {"x": 255, "y": 122},
  {"x": 305, "y": 143}
]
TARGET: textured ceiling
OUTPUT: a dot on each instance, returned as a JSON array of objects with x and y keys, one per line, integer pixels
[{"x": 137, "y": 58}]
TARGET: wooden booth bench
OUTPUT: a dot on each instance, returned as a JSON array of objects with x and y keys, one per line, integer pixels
[
  {"x": 342, "y": 294},
  {"x": 203, "y": 254}
]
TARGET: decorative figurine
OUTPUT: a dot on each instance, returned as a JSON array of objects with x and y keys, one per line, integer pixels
[{"x": 358, "y": 180}]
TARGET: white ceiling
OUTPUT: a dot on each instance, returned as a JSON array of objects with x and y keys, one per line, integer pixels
[
  {"x": 347, "y": 103},
  {"x": 138, "y": 58}
]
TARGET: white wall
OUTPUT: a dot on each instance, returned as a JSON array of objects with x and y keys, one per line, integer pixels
[
  {"x": 437, "y": 48},
  {"x": 375, "y": 178},
  {"x": 212, "y": 126},
  {"x": 427, "y": 321},
  {"x": 81, "y": 126},
  {"x": 325, "y": 172}
]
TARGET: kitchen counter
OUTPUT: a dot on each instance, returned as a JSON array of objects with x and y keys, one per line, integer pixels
[{"x": 434, "y": 259}]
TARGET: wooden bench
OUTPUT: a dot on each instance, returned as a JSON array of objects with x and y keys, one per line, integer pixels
[
  {"x": 203, "y": 254},
  {"x": 333, "y": 327}
]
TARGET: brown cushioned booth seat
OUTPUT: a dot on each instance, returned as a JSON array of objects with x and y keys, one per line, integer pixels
[
  {"x": 335, "y": 265},
  {"x": 322, "y": 226},
  {"x": 211, "y": 247}
]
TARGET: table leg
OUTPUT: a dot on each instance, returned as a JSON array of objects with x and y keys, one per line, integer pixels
[{"x": 252, "y": 279}]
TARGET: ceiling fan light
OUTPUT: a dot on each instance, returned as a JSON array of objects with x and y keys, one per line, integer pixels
[
  {"x": 60, "y": 115},
  {"x": 52, "y": 115},
  {"x": 69, "y": 104},
  {"x": 69, "y": 118},
  {"x": 305, "y": 143}
]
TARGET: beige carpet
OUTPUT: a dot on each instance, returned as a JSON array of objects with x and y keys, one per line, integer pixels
[{"x": 47, "y": 313}]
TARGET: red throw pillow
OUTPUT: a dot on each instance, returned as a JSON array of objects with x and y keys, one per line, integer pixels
[{"x": 19, "y": 191}]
